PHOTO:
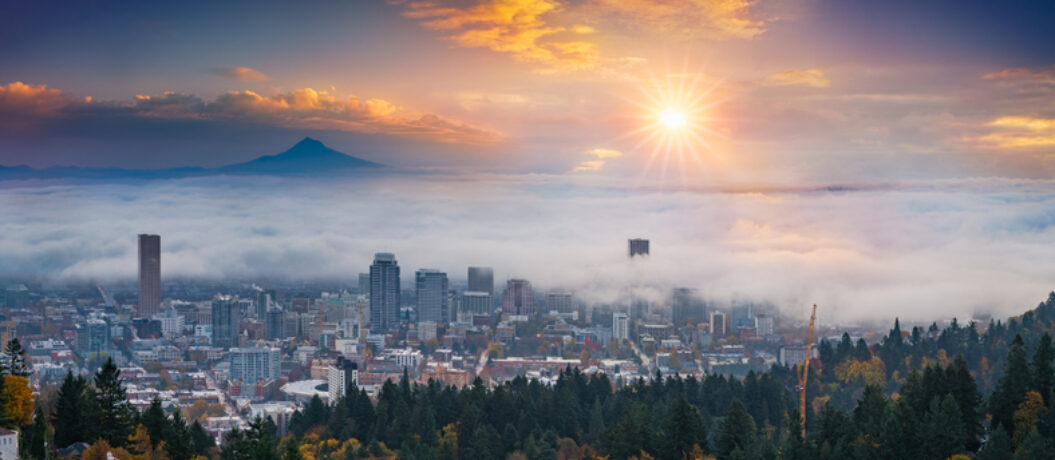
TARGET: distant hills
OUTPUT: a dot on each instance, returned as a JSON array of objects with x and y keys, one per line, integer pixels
[{"x": 307, "y": 157}]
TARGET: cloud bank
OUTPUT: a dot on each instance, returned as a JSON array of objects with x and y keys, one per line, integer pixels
[{"x": 923, "y": 252}]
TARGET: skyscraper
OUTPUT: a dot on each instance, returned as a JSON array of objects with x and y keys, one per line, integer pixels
[
  {"x": 482, "y": 279},
  {"x": 637, "y": 247},
  {"x": 560, "y": 301},
  {"x": 620, "y": 326},
  {"x": 518, "y": 299},
  {"x": 225, "y": 317},
  {"x": 431, "y": 288},
  {"x": 478, "y": 303},
  {"x": 264, "y": 299},
  {"x": 149, "y": 276},
  {"x": 343, "y": 375},
  {"x": 719, "y": 328},
  {"x": 384, "y": 292},
  {"x": 687, "y": 307},
  {"x": 275, "y": 324}
]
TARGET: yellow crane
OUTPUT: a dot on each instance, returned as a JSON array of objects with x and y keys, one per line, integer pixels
[{"x": 805, "y": 373}]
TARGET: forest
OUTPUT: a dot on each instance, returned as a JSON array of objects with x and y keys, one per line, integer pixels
[{"x": 926, "y": 393}]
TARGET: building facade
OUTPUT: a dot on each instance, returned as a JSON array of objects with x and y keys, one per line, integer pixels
[
  {"x": 343, "y": 374},
  {"x": 225, "y": 317},
  {"x": 519, "y": 298},
  {"x": 482, "y": 279},
  {"x": 384, "y": 292},
  {"x": 637, "y": 247},
  {"x": 478, "y": 302},
  {"x": 620, "y": 326},
  {"x": 432, "y": 300},
  {"x": 250, "y": 365},
  {"x": 149, "y": 276}
]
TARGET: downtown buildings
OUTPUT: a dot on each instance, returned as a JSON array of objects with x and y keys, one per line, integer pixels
[
  {"x": 149, "y": 276},
  {"x": 384, "y": 292},
  {"x": 433, "y": 303}
]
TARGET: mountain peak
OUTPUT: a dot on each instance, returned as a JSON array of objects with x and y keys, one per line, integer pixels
[{"x": 307, "y": 156}]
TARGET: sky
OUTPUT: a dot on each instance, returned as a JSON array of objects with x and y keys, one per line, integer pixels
[
  {"x": 879, "y": 158},
  {"x": 788, "y": 92}
]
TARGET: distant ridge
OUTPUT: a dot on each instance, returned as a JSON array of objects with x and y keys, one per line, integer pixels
[{"x": 307, "y": 157}]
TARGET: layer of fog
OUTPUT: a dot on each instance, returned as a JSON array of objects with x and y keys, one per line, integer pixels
[{"x": 921, "y": 252}]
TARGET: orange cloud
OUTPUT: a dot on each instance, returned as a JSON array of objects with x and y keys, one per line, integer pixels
[
  {"x": 1021, "y": 73},
  {"x": 20, "y": 98},
  {"x": 600, "y": 158},
  {"x": 243, "y": 74},
  {"x": 516, "y": 27},
  {"x": 711, "y": 19},
  {"x": 809, "y": 77},
  {"x": 21, "y": 105},
  {"x": 1020, "y": 132}
]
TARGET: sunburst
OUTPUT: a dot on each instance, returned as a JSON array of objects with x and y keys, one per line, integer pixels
[{"x": 677, "y": 121}]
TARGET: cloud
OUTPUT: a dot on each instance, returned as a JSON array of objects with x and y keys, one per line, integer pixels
[
  {"x": 1022, "y": 73},
  {"x": 519, "y": 28},
  {"x": 601, "y": 156},
  {"x": 1020, "y": 132},
  {"x": 925, "y": 252},
  {"x": 305, "y": 108},
  {"x": 246, "y": 74},
  {"x": 709, "y": 19},
  {"x": 809, "y": 77}
]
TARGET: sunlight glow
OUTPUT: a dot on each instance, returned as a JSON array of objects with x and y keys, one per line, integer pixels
[{"x": 672, "y": 119}]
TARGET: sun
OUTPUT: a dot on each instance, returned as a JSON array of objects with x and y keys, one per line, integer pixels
[
  {"x": 672, "y": 119},
  {"x": 677, "y": 121}
]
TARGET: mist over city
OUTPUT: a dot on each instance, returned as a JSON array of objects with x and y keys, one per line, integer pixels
[{"x": 527, "y": 230}]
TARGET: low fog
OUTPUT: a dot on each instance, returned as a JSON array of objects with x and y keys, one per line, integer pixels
[{"x": 920, "y": 251}]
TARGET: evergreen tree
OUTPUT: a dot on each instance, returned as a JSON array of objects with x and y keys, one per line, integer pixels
[
  {"x": 38, "y": 440},
  {"x": 71, "y": 416},
  {"x": 291, "y": 450},
  {"x": 963, "y": 387},
  {"x": 178, "y": 442},
  {"x": 155, "y": 421},
  {"x": 1012, "y": 388},
  {"x": 943, "y": 429},
  {"x": 891, "y": 440},
  {"x": 682, "y": 430},
  {"x": 201, "y": 440},
  {"x": 1043, "y": 374},
  {"x": 16, "y": 358},
  {"x": 1035, "y": 446},
  {"x": 870, "y": 411},
  {"x": 737, "y": 432},
  {"x": 115, "y": 412}
]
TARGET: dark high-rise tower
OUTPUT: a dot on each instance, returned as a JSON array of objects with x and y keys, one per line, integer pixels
[
  {"x": 637, "y": 247},
  {"x": 482, "y": 279},
  {"x": 384, "y": 292},
  {"x": 149, "y": 276},
  {"x": 431, "y": 288},
  {"x": 518, "y": 299},
  {"x": 225, "y": 317}
]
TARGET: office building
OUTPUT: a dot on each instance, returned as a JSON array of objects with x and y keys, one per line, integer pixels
[
  {"x": 687, "y": 307},
  {"x": 149, "y": 276},
  {"x": 343, "y": 375},
  {"x": 482, "y": 279},
  {"x": 432, "y": 301},
  {"x": 225, "y": 318},
  {"x": 743, "y": 315},
  {"x": 264, "y": 300},
  {"x": 250, "y": 365},
  {"x": 792, "y": 356},
  {"x": 518, "y": 299},
  {"x": 764, "y": 325},
  {"x": 364, "y": 283},
  {"x": 275, "y": 324},
  {"x": 637, "y": 247},
  {"x": 478, "y": 303},
  {"x": 93, "y": 336},
  {"x": 719, "y": 327},
  {"x": 620, "y": 326},
  {"x": 384, "y": 292},
  {"x": 560, "y": 301}
]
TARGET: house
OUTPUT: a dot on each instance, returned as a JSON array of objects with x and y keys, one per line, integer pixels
[{"x": 8, "y": 444}]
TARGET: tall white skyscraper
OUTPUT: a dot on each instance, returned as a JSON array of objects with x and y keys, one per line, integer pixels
[
  {"x": 342, "y": 375},
  {"x": 620, "y": 326}
]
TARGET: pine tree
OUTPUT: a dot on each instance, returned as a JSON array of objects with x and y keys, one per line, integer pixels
[
  {"x": 115, "y": 412},
  {"x": 38, "y": 435},
  {"x": 201, "y": 440},
  {"x": 869, "y": 413},
  {"x": 155, "y": 421},
  {"x": 738, "y": 431},
  {"x": 892, "y": 445},
  {"x": 1035, "y": 446},
  {"x": 291, "y": 450},
  {"x": 1043, "y": 374},
  {"x": 16, "y": 358},
  {"x": 1012, "y": 388},
  {"x": 998, "y": 447},
  {"x": 72, "y": 413},
  {"x": 682, "y": 429},
  {"x": 964, "y": 388},
  {"x": 943, "y": 432},
  {"x": 178, "y": 442}
]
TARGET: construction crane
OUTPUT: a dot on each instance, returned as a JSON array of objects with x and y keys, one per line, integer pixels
[{"x": 805, "y": 373}]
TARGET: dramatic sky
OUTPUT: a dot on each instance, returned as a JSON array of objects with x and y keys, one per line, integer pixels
[
  {"x": 790, "y": 91},
  {"x": 893, "y": 157}
]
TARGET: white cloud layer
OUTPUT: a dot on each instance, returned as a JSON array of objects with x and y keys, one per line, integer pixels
[{"x": 922, "y": 252}]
